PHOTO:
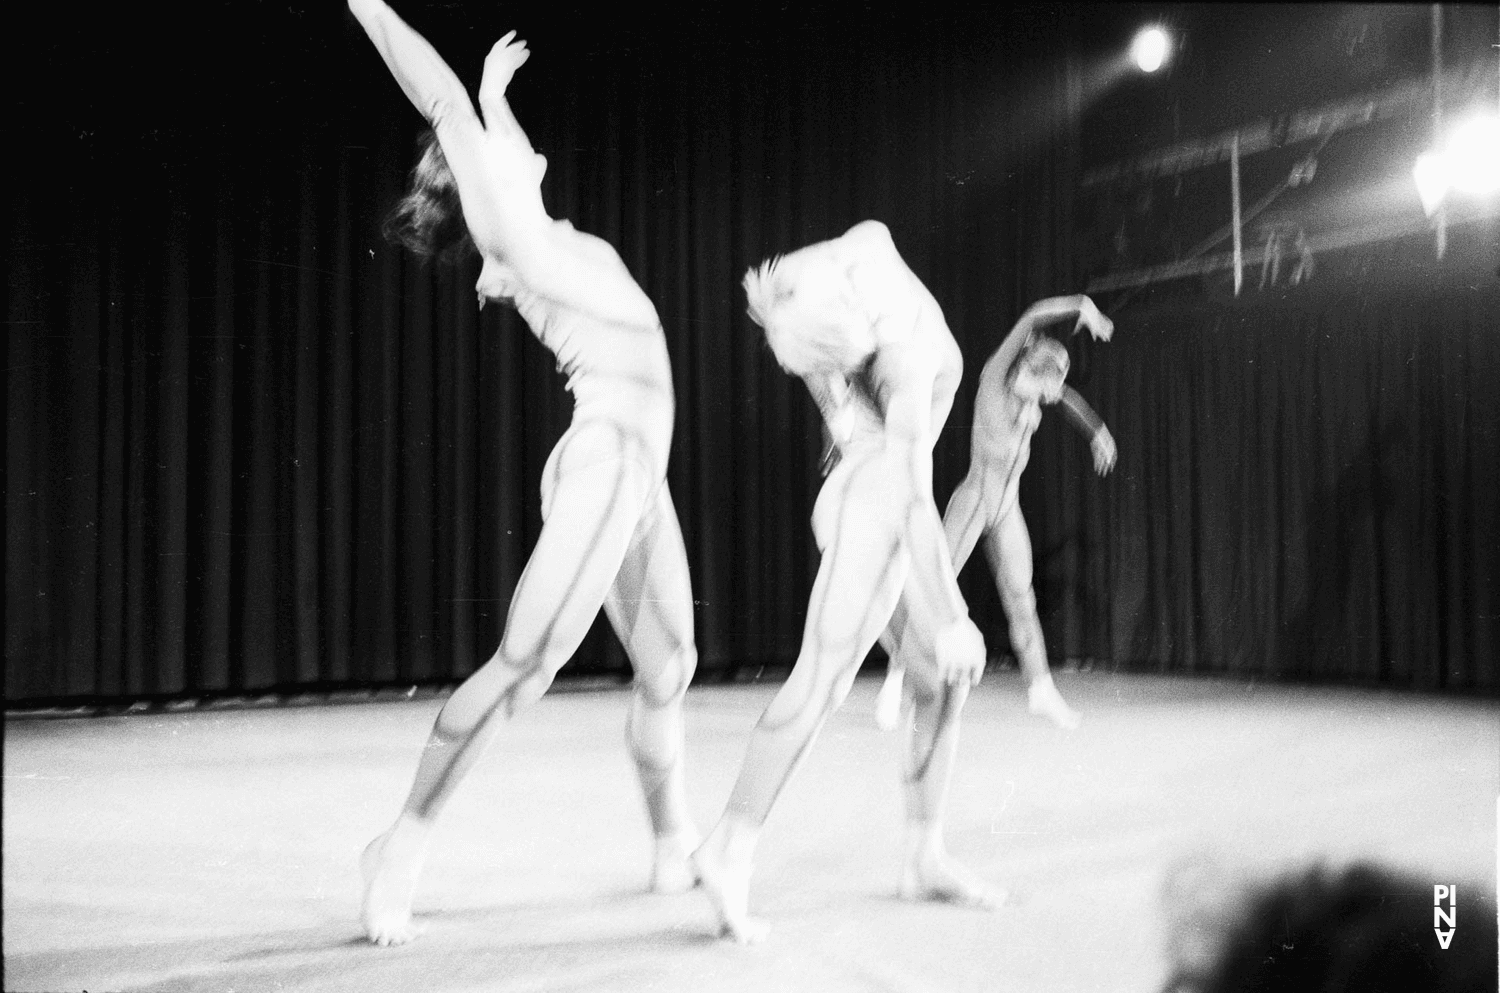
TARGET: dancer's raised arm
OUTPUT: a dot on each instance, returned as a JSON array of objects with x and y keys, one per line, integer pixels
[
  {"x": 499, "y": 174},
  {"x": 506, "y": 56},
  {"x": 439, "y": 96},
  {"x": 424, "y": 77},
  {"x": 1051, "y": 309}
]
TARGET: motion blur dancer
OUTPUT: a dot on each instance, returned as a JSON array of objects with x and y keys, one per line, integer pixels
[
  {"x": 610, "y": 535},
  {"x": 1026, "y": 371},
  {"x": 870, "y": 343}
]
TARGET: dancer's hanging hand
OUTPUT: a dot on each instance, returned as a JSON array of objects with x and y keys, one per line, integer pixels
[
  {"x": 960, "y": 655},
  {"x": 1099, "y": 326},
  {"x": 1103, "y": 447}
]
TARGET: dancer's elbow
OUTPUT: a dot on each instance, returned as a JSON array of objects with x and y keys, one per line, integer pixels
[{"x": 438, "y": 108}]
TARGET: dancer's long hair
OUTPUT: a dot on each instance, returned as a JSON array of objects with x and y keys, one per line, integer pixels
[
  {"x": 429, "y": 219},
  {"x": 810, "y": 315}
]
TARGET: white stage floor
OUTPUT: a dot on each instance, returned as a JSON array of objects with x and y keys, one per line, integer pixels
[{"x": 217, "y": 850}]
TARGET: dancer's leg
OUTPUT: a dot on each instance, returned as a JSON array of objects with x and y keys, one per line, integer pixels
[
  {"x": 931, "y": 746},
  {"x": 863, "y": 569},
  {"x": 963, "y": 524},
  {"x": 1008, "y": 547},
  {"x": 651, "y": 607},
  {"x": 596, "y": 493},
  {"x": 965, "y": 518}
]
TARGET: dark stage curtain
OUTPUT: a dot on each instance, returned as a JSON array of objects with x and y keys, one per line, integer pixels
[
  {"x": 251, "y": 445},
  {"x": 1308, "y": 487}
]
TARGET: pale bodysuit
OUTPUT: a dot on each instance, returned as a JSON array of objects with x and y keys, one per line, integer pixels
[
  {"x": 882, "y": 542},
  {"x": 619, "y": 375},
  {"x": 986, "y": 505},
  {"x": 610, "y": 535}
]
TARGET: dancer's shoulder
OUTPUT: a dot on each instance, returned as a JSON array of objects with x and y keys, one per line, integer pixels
[{"x": 873, "y": 230}]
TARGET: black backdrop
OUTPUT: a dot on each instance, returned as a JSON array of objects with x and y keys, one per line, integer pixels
[
  {"x": 1308, "y": 487},
  {"x": 251, "y": 445}
]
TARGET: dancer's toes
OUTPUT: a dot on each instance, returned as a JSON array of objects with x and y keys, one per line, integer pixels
[
  {"x": 746, "y": 931},
  {"x": 939, "y": 878},
  {"x": 394, "y": 929},
  {"x": 1043, "y": 700},
  {"x": 727, "y": 887},
  {"x": 390, "y": 881}
]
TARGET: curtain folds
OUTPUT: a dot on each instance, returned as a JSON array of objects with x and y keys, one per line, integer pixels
[
  {"x": 1308, "y": 487},
  {"x": 251, "y": 445}
]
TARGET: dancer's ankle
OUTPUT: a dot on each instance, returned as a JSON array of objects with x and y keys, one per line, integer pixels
[
  {"x": 924, "y": 840},
  {"x": 735, "y": 838},
  {"x": 1039, "y": 680}
]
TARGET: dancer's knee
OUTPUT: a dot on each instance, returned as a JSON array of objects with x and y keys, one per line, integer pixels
[
  {"x": 656, "y": 700},
  {"x": 487, "y": 690},
  {"x": 523, "y": 682},
  {"x": 531, "y": 688},
  {"x": 667, "y": 683}
]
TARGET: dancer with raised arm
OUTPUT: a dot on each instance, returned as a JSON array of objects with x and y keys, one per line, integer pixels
[
  {"x": 870, "y": 342},
  {"x": 610, "y": 535},
  {"x": 1026, "y": 371}
]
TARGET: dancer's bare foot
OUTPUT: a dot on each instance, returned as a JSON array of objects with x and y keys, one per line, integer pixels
[
  {"x": 390, "y": 865},
  {"x": 936, "y": 876},
  {"x": 1043, "y": 700},
  {"x": 672, "y": 869},
  {"x": 723, "y": 867}
]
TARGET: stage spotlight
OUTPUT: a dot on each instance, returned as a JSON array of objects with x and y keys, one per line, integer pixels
[
  {"x": 1474, "y": 156},
  {"x": 1150, "y": 49},
  {"x": 1469, "y": 162}
]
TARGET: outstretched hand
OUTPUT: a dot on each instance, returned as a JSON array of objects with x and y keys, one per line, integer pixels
[
  {"x": 504, "y": 59},
  {"x": 1103, "y": 447},
  {"x": 1099, "y": 326}
]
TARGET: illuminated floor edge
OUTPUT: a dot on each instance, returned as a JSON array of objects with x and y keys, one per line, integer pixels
[{"x": 216, "y": 850}]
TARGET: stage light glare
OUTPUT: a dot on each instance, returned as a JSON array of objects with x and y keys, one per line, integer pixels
[
  {"x": 1469, "y": 163},
  {"x": 1431, "y": 174},
  {"x": 1473, "y": 155},
  {"x": 1150, "y": 48}
]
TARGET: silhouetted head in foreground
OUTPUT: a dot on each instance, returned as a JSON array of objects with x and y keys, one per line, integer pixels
[{"x": 1363, "y": 929}]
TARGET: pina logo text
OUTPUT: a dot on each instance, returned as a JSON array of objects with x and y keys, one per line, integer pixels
[{"x": 1444, "y": 918}]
